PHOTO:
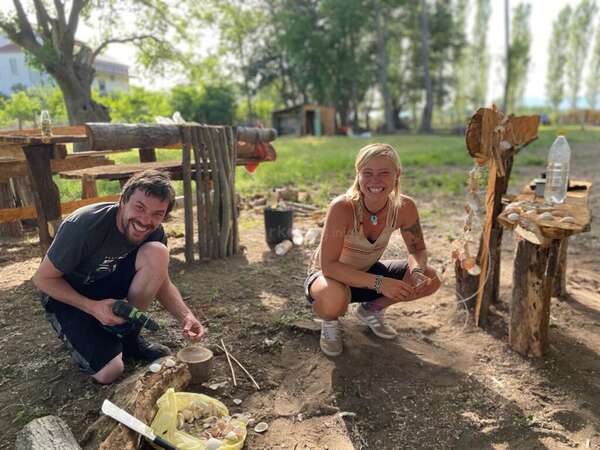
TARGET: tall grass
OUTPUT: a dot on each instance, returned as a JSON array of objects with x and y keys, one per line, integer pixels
[{"x": 325, "y": 165}]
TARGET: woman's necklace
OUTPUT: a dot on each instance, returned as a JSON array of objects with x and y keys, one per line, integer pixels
[{"x": 373, "y": 215}]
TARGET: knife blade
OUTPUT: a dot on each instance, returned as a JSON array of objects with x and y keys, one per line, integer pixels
[{"x": 122, "y": 416}]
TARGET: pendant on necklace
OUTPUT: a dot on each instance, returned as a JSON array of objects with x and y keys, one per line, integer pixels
[{"x": 373, "y": 219}]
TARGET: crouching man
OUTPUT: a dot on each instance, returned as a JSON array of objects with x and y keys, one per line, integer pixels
[{"x": 105, "y": 252}]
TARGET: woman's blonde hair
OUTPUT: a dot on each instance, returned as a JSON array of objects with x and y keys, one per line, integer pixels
[{"x": 365, "y": 155}]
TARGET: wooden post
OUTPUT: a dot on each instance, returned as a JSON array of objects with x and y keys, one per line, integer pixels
[
  {"x": 47, "y": 197},
  {"x": 8, "y": 200},
  {"x": 533, "y": 277},
  {"x": 187, "y": 193},
  {"x": 559, "y": 287},
  {"x": 147, "y": 154},
  {"x": 88, "y": 186}
]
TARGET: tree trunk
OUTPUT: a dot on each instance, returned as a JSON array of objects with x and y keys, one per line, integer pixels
[
  {"x": 507, "y": 49},
  {"x": 382, "y": 64},
  {"x": 428, "y": 108}
]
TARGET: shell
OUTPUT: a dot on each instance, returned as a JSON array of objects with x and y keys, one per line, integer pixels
[
  {"x": 261, "y": 427},
  {"x": 546, "y": 216},
  {"x": 154, "y": 367},
  {"x": 169, "y": 363},
  {"x": 513, "y": 217},
  {"x": 213, "y": 444},
  {"x": 475, "y": 270},
  {"x": 188, "y": 414},
  {"x": 237, "y": 401},
  {"x": 231, "y": 436},
  {"x": 568, "y": 219}
]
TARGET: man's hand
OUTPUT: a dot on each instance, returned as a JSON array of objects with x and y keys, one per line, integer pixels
[
  {"x": 396, "y": 289},
  {"x": 192, "y": 328},
  {"x": 102, "y": 311}
]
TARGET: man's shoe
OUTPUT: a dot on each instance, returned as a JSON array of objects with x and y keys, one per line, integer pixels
[
  {"x": 135, "y": 346},
  {"x": 374, "y": 320},
  {"x": 331, "y": 338}
]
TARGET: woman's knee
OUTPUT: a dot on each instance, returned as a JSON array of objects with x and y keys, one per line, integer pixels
[
  {"x": 111, "y": 371},
  {"x": 331, "y": 298}
]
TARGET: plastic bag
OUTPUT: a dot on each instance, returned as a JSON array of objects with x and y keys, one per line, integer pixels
[{"x": 165, "y": 420}]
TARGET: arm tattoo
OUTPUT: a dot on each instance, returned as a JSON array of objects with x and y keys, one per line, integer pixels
[{"x": 414, "y": 237}]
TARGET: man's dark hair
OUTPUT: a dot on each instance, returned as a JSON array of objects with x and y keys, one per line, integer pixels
[{"x": 151, "y": 182}]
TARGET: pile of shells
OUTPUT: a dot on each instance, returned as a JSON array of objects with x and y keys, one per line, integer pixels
[{"x": 203, "y": 420}]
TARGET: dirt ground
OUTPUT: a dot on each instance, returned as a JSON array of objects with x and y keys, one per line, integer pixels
[{"x": 442, "y": 384}]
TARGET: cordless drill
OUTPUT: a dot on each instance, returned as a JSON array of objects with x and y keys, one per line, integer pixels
[{"x": 127, "y": 311}]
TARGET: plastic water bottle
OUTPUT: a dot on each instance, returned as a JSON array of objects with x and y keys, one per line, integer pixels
[
  {"x": 557, "y": 171},
  {"x": 283, "y": 247},
  {"x": 45, "y": 124}
]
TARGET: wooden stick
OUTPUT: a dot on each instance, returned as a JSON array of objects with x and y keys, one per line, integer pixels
[
  {"x": 243, "y": 368},
  {"x": 229, "y": 362},
  {"x": 187, "y": 194},
  {"x": 200, "y": 197}
]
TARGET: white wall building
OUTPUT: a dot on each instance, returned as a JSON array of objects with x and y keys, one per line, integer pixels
[{"x": 111, "y": 75}]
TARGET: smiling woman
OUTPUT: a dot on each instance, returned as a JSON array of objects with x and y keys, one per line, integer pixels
[{"x": 357, "y": 231}]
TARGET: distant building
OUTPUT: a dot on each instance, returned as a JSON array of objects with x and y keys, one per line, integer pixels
[
  {"x": 302, "y": 120},
  {"x": 111, "y": 75}
]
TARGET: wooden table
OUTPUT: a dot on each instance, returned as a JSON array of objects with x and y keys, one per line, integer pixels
[{"x": 540, "y": 259}]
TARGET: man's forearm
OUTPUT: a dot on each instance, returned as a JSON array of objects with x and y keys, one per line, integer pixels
[
  {"x": 171, "y": 299},
  {"x": 60, "y": 290},
  {"x": 417, "y": 259}
]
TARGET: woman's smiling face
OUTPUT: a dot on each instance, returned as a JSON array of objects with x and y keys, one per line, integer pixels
[{"x": 378, "y": 177}]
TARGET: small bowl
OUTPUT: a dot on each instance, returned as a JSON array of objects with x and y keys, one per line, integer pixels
[{"x": 199, "y": 361}]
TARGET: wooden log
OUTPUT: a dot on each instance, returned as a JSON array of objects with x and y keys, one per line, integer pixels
[
  {"x": 559, "y": 287},
  {"x": 29, "y": 212},
  {"x": 187, "y": 193},
  {"x": 137, "y": 394},
  {"x": 147, "y": 154},
  {"x": 46, "y": 433},
  {"x": 533, "y": 275},
  {"x": 466, "y": 286},
  {"x": 112, "y": 136},
  {"x": 253, "y": 135},
  {"x": 8, "y": 201},
  {"x": 47, "y": 197}
]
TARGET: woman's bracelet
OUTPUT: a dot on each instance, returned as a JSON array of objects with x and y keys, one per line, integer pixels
[
  {"x": 378, "y": 283},
  {"x": 418, "y": 270}
]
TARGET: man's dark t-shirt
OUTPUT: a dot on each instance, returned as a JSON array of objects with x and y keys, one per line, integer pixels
[{"x": 88, "y": 246}]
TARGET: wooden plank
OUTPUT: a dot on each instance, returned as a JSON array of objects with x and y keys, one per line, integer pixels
[
  {"x": 111, "y": 136},
  {"x": 88, "y": 187},
  {"x": 77, "y": 130},
  {"x": 10, "y": 152},
  {"x": 18, "y": 169},
  {"x": 147, "y": 154},
  {"x": 187, "y": 193},
  {"x": 29, "y": 212},
  {"x": 46, "y": 195},
  {"x": 122, "y": 171}
]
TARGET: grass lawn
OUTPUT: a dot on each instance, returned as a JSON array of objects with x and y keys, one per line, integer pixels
[{"x": 325, "y": 165}]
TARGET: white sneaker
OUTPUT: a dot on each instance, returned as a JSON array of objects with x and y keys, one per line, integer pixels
[
  {"x": 331, "y": 338},
  {"x": 374, "y": 320}
]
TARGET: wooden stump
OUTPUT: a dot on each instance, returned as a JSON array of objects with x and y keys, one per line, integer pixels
[
  {"x": 533, "y": 276},
  {"x": 46, "y": 433},
  {"x": 7, "y": 200},
  {"x": 136, "y": 394},
  {"x": 559, "y": 287},
  {"x": 466, "y": 286}
]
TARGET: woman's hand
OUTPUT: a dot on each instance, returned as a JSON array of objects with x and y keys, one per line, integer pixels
[{"x": 397, "y": 289}]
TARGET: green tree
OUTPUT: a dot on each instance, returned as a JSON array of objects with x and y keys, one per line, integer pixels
[
  {"x": 48, "y": 34},
  {"x": 520, "y": 43},
  {"x": 479, "y": 58},
  {"x": 211, "y": 104},
  {"x": 593, "y": 83},
  {"x": 557, "y": 58},
  {"x": 20, "y": 107},
  {"x": 137, "y": 105},
  {"x": 580, "y": 30}
]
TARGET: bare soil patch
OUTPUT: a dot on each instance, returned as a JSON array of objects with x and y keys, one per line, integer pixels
[{"x": 442, "y": 384}]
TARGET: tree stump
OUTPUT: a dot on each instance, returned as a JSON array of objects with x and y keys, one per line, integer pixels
[
  {"x": 559, "y": 288},
  {"x": 136, "y": 394},
  {"x": 533, "y": 276},
  {"x": 46, "y": 433}
]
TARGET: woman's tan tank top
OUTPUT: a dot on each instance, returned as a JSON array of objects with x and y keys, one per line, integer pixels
[{"x": 357, "y": 251}]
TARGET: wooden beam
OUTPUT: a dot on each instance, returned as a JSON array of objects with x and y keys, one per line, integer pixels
[
  {"x": 147, "y": 155},
  {"x": 253, "y": 135},
  {"x": 18, "y": 169},
  {"x": 112, "y": 136},
  {"x": 46, "y": 195},
  {"x": 29, "y": 212}
]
